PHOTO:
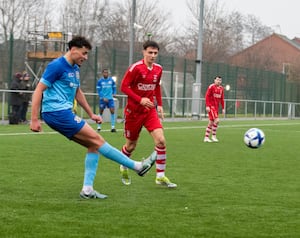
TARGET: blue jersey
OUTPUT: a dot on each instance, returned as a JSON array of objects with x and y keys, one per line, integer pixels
[
  {"x": 62, "y": 81},
  {"x": 106, "y": 88}
]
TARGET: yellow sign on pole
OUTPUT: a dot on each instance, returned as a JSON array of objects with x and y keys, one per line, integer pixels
[{"x": 55, "y": 34}]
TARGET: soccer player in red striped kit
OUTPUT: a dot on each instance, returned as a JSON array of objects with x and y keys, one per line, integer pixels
[
  {"x": 141, "y": 83},
  {"x": 213, "y": 98}
]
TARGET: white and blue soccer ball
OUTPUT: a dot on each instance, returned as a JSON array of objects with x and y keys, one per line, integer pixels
[{"x": 254, "y": 138}]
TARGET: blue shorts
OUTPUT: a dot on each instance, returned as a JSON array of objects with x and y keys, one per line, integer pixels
[
  {"x": 64, "y": 121},
  {"x": 109, "y": 104}
]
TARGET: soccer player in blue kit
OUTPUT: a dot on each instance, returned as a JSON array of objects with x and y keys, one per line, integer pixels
[
  {"x": 106, "y": 88},
  {"x": 55, "y": 93}
]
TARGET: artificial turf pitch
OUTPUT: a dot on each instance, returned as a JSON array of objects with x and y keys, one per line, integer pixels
[{"x": 224, "y": 189}]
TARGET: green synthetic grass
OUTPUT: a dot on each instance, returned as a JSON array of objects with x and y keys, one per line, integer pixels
[{"x": 224, "y": 189}]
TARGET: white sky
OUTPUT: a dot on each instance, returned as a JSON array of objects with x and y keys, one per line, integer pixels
[{"x": 282, "y": 16}]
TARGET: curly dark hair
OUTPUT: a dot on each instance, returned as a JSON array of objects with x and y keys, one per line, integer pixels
[{"x": 79, "y": 41}]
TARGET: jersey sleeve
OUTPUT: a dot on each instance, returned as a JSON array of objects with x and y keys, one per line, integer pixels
[
  {"x": 208, "y": 97},
  {"x": 158, "y": 93},
  {"x": 222, "y": 99},
  {"x": 98, "y": 87},
  {"x": 51, "y": 74},
  {"x": 126, "y": 85},
  {"x": 114, "y": 87}
]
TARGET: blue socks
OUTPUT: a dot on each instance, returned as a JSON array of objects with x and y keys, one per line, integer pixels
[
  {"x": 91, "y": 165},
  {"x": 91, "y": 162},
  {"x": 113, "y": 154},
  {"x": 112, "y": 120}
]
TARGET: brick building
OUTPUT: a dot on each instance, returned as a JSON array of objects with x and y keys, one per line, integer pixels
[{"x": 274, "y": 53}]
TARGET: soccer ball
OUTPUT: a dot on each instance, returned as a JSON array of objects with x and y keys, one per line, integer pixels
[{"x": 254, "y": 138}]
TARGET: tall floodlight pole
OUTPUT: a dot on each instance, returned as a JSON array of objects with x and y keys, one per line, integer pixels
[
  {"x": 131, "y": 31},
  {"x": 196, "y": 102}
]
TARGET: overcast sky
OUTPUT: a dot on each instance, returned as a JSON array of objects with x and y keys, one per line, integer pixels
[{"x": 282, "y": 16}]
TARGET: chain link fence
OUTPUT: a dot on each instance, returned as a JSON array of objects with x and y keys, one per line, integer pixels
[{"x": 267, "y": 93}]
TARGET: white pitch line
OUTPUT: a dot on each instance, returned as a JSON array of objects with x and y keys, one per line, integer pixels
[
  {"x": 34, "y": 133},
  {"x": 166, "y": 128},
  {"x": 28, "y": 133},
  {"x": 230, "y": 126}
]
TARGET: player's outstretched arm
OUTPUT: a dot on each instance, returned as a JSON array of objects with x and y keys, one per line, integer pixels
[
  {"x": 160, "y": 111},
  {"x": 81, "y": 99},
  {"x": 35, "y": 124}
]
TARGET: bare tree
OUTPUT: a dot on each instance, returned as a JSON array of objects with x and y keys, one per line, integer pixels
[
  {"x": 16, "y": 19},
  {"x": 154, "y": 20},
  {"x": 236, "y": 29},
  {"x": 110, "y": 21},
  {"x": 223, "y": 35},
  {"x": 10, "y": 22},
  {"x": 17, "y": 16},
  {"x": 115, "y": 26},
  {"x": 217, "y": 34},
  {"x": 149, "y": 19},
  {"x": 255, "y": 30},
  {"x": 85, "y": 17}
]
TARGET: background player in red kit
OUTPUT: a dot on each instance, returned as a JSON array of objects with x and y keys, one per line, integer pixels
[
  {"x": 141, "y": 83},
  {"x": 213, "y": 98}
]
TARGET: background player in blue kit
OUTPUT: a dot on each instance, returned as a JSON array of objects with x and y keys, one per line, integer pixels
[
  {"x": 56, "y": 91},
  {"x": 106, "y": 88}
]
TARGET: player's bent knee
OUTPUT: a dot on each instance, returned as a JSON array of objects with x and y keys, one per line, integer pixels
[{"x": 160, "y": 142}]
